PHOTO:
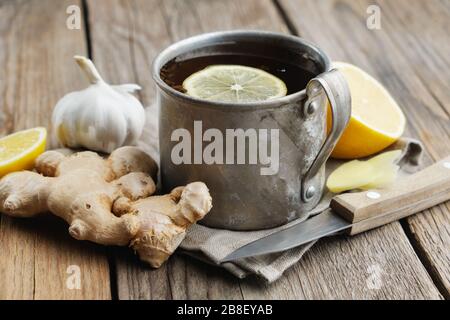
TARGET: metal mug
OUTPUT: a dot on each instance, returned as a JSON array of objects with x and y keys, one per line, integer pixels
[{"x": 243, "y": 199}]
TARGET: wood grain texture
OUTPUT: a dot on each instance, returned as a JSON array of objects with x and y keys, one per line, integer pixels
[
  {"x": 424, "y": 44},
  {"x": 370, "y": 265},
  {"x": 36, "y": 69},
  {"x": 333, "y": 269},
  {"x": 427, "y": 48},
  {"x": 390, "y": 56}
]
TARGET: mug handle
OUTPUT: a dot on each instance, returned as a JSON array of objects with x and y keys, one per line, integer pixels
[{"x": 337, "y": 91}]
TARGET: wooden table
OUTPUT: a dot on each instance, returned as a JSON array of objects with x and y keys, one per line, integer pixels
[{"x": 410, "y": 54}]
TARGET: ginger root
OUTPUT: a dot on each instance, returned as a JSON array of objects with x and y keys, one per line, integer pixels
[
  {"x": 378, "y": 172},
  {"x": 107, "y": 201}
]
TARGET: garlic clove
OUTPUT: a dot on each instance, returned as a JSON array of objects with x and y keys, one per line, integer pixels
[{"x": 101, "y": 117}]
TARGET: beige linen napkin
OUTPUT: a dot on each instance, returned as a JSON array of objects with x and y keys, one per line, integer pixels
[{"x": 212, "y": 245}]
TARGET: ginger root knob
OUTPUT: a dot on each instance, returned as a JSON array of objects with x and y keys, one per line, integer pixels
[{"x": 107, "y": 201}]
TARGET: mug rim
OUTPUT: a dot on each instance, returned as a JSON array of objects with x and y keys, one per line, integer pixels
[{"x": 160, "y": 61}]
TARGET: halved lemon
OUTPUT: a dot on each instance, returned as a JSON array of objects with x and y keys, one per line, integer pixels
[
  {"x": 376, "y": 122},
  {"x": 19, "y": 150},
  {"x": 234, "y": 83}
]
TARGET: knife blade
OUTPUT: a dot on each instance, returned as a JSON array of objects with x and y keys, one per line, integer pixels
[
  {"x": 322, "y": 225},
  {"x": 360, "y": 211}
]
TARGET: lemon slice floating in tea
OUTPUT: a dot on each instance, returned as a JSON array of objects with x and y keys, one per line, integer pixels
[{"x": 234, "y": 83}]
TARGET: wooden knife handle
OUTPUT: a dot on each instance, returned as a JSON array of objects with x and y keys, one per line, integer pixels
[{"x": 417, "y": 192}]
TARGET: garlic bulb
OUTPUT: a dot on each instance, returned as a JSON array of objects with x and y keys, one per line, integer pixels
[{"x": 100, "y": 117}]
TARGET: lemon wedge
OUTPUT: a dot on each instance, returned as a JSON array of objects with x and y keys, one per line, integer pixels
[
  {"x": 234, "y": 83},
  {"x": 19, "y": 150},
  {"x": 376, "y": 122}
]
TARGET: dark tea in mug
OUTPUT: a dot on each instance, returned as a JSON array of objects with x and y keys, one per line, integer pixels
[{"x": 179, "y": 69}]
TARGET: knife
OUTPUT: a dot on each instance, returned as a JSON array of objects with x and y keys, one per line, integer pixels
[{"x": 361, "y": 211}]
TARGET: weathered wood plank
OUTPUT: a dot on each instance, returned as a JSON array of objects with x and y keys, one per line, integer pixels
[
  {"x": 379, "y": 264},
  {"x": 404, "y": 54},
  {"x": 36, "y": 69},
  {"x": 420, "y": 31},
  {"x": 427, "y": 47}
]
